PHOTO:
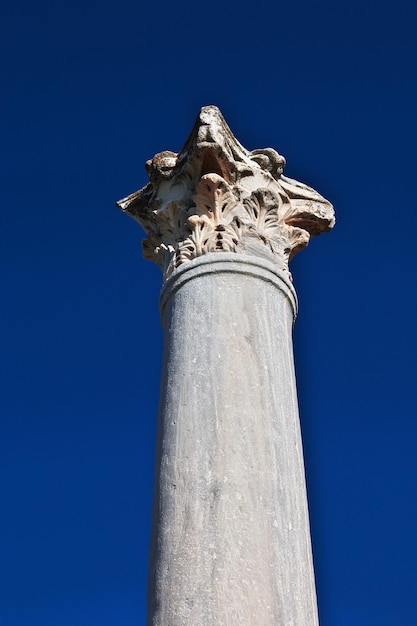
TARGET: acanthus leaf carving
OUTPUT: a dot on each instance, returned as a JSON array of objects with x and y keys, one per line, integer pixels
[
  {"x": 217, "y": 196},
  {"x": 215, "y": 200},
  {"x": 211, "y": 218},
  {"x": 263, "y": 208}
]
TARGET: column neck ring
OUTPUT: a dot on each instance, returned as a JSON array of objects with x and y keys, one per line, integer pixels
[{"x": 224, "y": 262}]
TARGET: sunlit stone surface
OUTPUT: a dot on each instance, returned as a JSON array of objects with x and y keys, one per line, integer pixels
[{"x": 230, "y": 541}]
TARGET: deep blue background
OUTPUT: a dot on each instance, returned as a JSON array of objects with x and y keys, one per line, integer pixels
[{"x": 90, "y": 90}]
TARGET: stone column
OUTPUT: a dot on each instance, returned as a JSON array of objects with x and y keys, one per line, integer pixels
[{"x": 230, "y": 540}]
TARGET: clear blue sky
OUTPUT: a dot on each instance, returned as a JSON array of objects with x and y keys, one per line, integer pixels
[{"x": 90, "y": 90}]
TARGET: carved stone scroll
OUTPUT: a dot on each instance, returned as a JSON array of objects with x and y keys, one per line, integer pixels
[{"x": 216, "y": 196}]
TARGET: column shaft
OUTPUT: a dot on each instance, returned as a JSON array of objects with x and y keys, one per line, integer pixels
[{"x": 230, "y": 543}]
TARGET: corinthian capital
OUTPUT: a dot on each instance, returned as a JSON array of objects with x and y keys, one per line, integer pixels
[{"x": 216, "y": 196}]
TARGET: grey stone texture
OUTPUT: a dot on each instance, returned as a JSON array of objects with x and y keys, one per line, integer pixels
[
  {"x": 230, "y": 539},
  {"x": 231, "y": 543}
]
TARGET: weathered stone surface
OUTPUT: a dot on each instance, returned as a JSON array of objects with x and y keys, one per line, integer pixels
[
  {"x": 216, "y": 196},
  {"x": 231, "y": 542},
  {"x": 230, "y": 536}
]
